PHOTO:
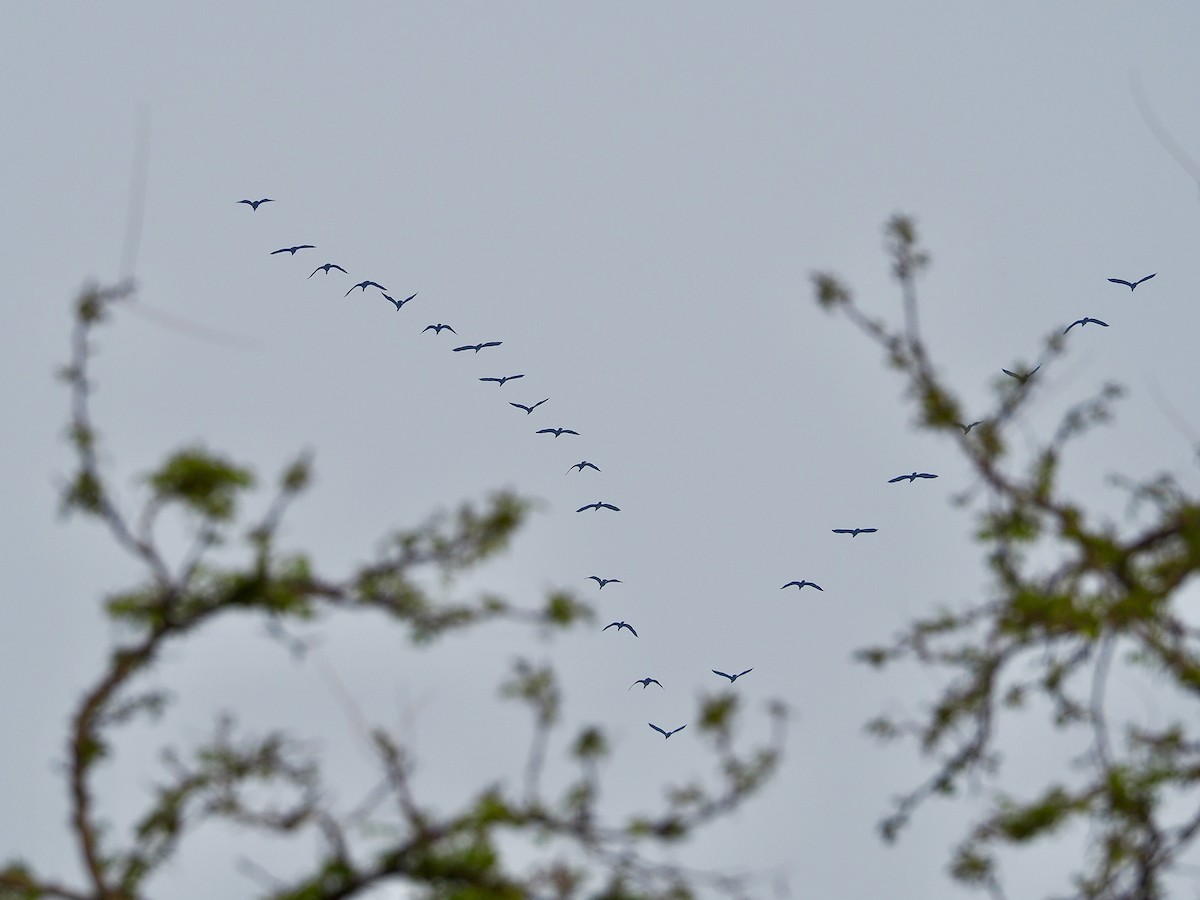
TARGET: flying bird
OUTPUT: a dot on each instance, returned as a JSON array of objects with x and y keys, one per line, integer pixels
[
  {"x": 619, "y": 626},
  {"x": 478, "y": 347},
  {"x": 800, "y": 585},
  {"x": 1132, "y": 284},
  {"x": 732, "y": 678},
  {"x": 363, "y": 285},
  {"x": 500, "y": 381},
  {"x": 556, "y": 431},
  {"x": 1084, "y": 321},
  {"x": 645, "y": 683},
  {"x": 603, "y": 581},
  {"x": 598, "y": 505},
  {"x": 967, "y": 428},
  {"x": 437, "y": 329},
  {"x": 292, "y": 250},
  {"x": 528, "y": 409},
  {"x": 581, "y": 465},
  {"x": 910, "y": 478},
  {"x": 854, "y": 532},
  {"x": 397, "y": 303},
  {"x": 325, "y": 268},
  {"x": 1022, "y": 378},
  {"x": 255, "y": 204},
  {"x": 665, "y": 734}
]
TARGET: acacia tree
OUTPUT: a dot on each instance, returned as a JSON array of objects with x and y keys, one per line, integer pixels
[
  {"x": 1077, "y": 600},
  {"x": 272, "y": 783}
]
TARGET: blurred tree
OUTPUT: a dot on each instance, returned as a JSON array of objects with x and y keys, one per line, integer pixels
[
  {"x": 271, "y": 783},
  {"x": 1077, "y": 602}
]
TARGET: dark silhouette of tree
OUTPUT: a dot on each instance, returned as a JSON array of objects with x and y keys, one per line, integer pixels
[
  {"x": 1077, "y": 603},
  {"x": 272, "y": 783}
]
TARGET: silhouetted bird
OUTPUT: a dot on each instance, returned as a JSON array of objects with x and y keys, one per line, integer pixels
[
  {"x": 732, "y": 678},
  {"x": 1084, "y": 321},
  {"x": 1022, "y": 378},
  {"x": 581, "y": 465},
  {"x": 854, "y": 532},
  {"x": 528, "y": 409},
  {"x": 398, "y": 303},
  {"x": 1132, "y": 284},
  {"x": 363, "y": 285},
  {"x": 500, "y": 381},
  {"x": 325, "y": 268},
  {"x": 255, "y": 204},
  {"x": 665, "y": 734},
  {"x": 292, "y": 250},
  {"x": 910, "y": 478},
  {"x": 603, "y": 581},
  {"x": 556, "y": 431},
  {"x": 645, "y": 683},
  {"x": 478, "y": 347},
  {"x": 967, "y": 428},
  {"x": 801, "y": 585},
  {"x": 437, "y": 329},
  {"x": 598, "y": 505},
  {"x": 619, "y": 626}
]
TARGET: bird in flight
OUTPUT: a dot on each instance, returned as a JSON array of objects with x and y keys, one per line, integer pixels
[
  {"x": 436, "y": 329},
  {"x": 910, "y": 478},
  {"x": 397, "y": 303},
  {"x": 528, "y": 409},
  {"x": 1084, "y": 321},
  {"x": 800, "y": 585},
  {"x": 732, "y": 678},
  {"x": 1132, "y": 284},
  {"x": 325, "y": 268},
  {"x": 967, "y": 428},
  {"x": 665, "y": 734},
  {"x": 854, "y": 532},
  {"x": 1022, "y": 378},
  {"x": 603, "y": 581},
  {"x": 292, "y": 250},
  {"x": 556, "y": 431},
  {"x": 619, "y": 626},
  {"x": 598, "y": 505},
  {"x": 363, "y": 285},
  {"x": 500, "y": 381},
  {"x": 645, "y": 683},
  {"x": 581, "y": 465},
  {"x": 478, "y": 347},
  {"x": 255, "y": 204}
]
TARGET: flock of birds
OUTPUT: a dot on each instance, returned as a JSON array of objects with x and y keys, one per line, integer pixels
[{"x": 438, "y": 327}]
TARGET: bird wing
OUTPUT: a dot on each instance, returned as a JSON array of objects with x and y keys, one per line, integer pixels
[
  {"x": 1147, "y": 278},
  {"x": 1013, "y": 374},
  {"x": 427, "y": 328},
  {"x": 610, "y": 625},
  {"x": 488, "y": 379},
  {"x": 842, "y": 531},
  {"x": 925, "y": 475},
  {"x": 613, "y": 581},
  {"x": 790, "y": 583},
  {"x": 610, "y": 506},
  {"x": 1128, "y": 284},
  {"x": 491, "y": 344},
  {"x": 528, "y": 409},
  {"x": 589, "y": 466},
  {"x": 281, "y": 250},
  {"x": 656, "y": 728},
  {"x": 351, "y": 289},
  {"x": 897, "y": 478},
  {"x": 656, "y": 681},
  {"x": 630, "y": 627},
  {"x": 589, "y": 506},
  {"x": 680, "y": 728},
  {"x": 747, "y": 672},
  {"x": 511, "y": 377},
  {"x": 544, "y": 430},
  {"x": 339, "y": 268},
  {"x": 595, "y": 578},
  {"x": 1098, "y": 322},
  {"x": 1035, "y": 368},
  {"x": 249, "y": 203},
  {"x": 463, "y": 347},
  {"x": 722, "y": 674},
  {"x": 569, "y": 431},
  {"x": 867, "y": 530},
  {"x": 316, "y": 270},
  {"x": 630, "y": 688},
  {"x": 539, "y": 403},
  {"x": 1072, "y": 325},
  {"x": 817, "y": 586},
  {"x": 447, "y": 327},
  {"x": 305, "y": 247},
  {"x": 410, "y": 296}
]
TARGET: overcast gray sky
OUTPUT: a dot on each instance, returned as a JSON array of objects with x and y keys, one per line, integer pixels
[{"x": 631, "y": 196}]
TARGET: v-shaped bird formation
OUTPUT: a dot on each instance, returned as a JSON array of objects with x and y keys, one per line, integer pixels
[{"x": 1025, "y": 380}]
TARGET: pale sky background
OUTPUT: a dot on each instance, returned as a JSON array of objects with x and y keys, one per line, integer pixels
[{"x": 632, "y": 197}]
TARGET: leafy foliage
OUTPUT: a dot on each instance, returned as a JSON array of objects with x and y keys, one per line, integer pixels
[
  {"x": 272, "y": 783},
  {"x": 1106, "y": 592}
]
